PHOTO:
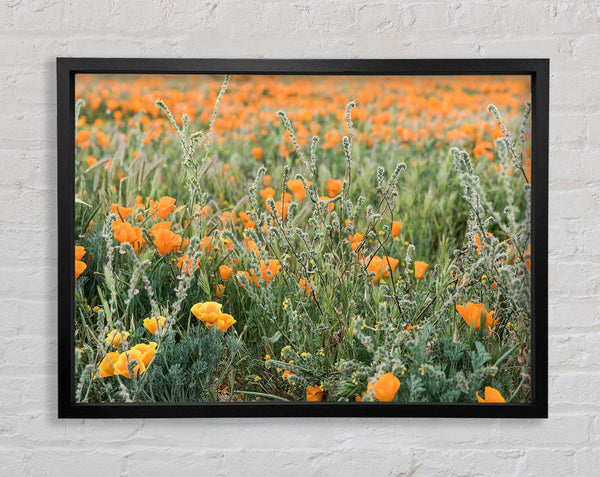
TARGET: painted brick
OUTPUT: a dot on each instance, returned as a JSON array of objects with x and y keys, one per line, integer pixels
[{"x": 34, "y": 33}]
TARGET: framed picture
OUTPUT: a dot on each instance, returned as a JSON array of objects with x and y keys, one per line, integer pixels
[{"x": 268, "y": 238}]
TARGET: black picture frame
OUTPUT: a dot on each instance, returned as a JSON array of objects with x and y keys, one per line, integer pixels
[{"x": 538, "y": 69}]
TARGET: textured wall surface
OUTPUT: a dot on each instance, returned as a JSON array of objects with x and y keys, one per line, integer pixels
[{"x": 33, "y": 33}]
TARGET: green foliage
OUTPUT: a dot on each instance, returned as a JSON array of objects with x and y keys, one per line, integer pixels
[
  {"x": 343, "y": 305},
  {"x": 187, "y": 368}
]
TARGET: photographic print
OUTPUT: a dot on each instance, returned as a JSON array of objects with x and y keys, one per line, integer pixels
[{"x": 302, "y": 239}]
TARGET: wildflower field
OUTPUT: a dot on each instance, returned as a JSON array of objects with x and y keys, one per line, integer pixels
[{"x": 302, "y": 238}]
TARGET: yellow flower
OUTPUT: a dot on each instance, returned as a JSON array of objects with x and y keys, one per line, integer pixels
[
  {"x": 151, "y": 324},
  {"x": 385, "y": 388},
  {"x": 116, "y": 337},
  {"x": 208, "y": 312}
]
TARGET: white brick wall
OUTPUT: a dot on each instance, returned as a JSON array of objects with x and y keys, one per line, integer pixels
[{"x": 33, "y": 442}]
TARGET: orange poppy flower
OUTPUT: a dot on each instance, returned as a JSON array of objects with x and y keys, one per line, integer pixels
[
  {"x": 396, "y": 228},
  {"x": 420, "y": 268},
  {"x": 314, "y": 393},
  {"x": 205, "y": 244},
  {"x": 125, "y": 232},
  {"x": 281, "y": 208},
  {"x": 267, "y": 193},
  {"x": 251, "y": 245},
  {"x": 116, "y": 337},
  {"x": 527, "y": 254},
  {"x": 483, "y": 148},
  {"x": 266, "y": 180},
  {"x": 478, "y": 241},
  {"x": 326, "y": 200},
  {"x": 122, "y": 364},
  {"x": 106, "y": 367},
  {"x": 79, "y": 268},
  {"x": 102, "y": 139},
  {"x": 163, "y": 207},
  {"x": 297, "y": 188},
  {"x": 151, "y": 324},
  {"x": 82, "y": 138},
  {"x": 139, "y": 203},
  {"x": 355, "y": 240},
  {"x": 472, "y": 314},
  {"x": 227, "y": 216},
  {"x": 246, "y": 222},
  {"x": 166, "y": 241},
  {"x": 225, "y": 272},
  {"x": 208, "y": 312},
  {"x": 385, "y": 388},
  {"x": 388, "y": 264},
  {"x": 160, "y": 226},
  {"x": 120, "y": 211},
  {"x": 185, "y": 264},
  {"x": 238, "y": 276},
  {"x": 305, "y": 286},
  {"x": 287, "y": 374},
  {"x": 375, "y": 267},
  {"x": 269, "y": 269},
  {"x": 205, "y": 211},
  {"x": 257, "y": 152},
  {"x": 334, "y": 187},
  {"x": 79, "y": 252},
  {"x": 220, "y": 290},
  {"x": 224, "y": 322},
  {"x": 490, "y": 395},
  {"x": 147, "y": 351}
]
